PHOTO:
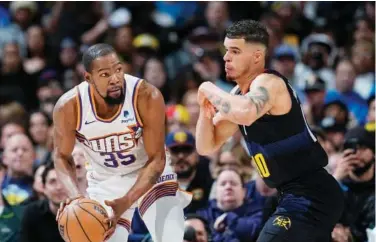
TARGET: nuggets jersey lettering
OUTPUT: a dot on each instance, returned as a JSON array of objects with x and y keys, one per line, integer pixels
[
  {"x": 115, "y": 145},
  {"x": 282, "y": 146}
]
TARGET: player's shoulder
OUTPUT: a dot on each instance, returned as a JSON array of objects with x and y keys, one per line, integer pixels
[
  {"x": 66, "y": 101},
  {"x": 147, "y": 90},
  {"x": 270, "y": 80}
]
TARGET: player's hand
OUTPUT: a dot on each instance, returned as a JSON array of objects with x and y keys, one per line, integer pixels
[
  {"x": 341, "y": 233},
  {"x": 118, "y": 208},
  {"x": 64, "y": 204},
  {"x": 206, "y": 105},
  {"x": 345, "y": 164}
]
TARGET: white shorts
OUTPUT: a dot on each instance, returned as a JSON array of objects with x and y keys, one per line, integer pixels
[{"x": 101, "y": 188}]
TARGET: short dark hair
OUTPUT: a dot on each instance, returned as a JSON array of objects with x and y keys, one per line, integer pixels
[
  {"x": 48, "y": 167},
  {"x": 95, "y": 51},
  {"x": 205, "y": 222},
  {"x": 250, "y": 30}
]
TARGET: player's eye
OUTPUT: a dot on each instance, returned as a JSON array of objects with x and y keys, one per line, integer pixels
[
  {"x": 118, "y": 69},
  {"x": 104, "y": 75}
]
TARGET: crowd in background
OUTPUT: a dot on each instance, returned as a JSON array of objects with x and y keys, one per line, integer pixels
[{"x": 325, "y": 49}]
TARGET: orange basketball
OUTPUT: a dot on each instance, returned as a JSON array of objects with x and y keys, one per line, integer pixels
[{"x": 83, "y": 221}]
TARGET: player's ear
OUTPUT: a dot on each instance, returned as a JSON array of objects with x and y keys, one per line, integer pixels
[
  {"x": 87, "y": 77},
  {"x": 258, "y": 54}
]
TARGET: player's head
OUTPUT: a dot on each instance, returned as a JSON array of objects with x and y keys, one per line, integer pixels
[
  {"x": 52, "y": 186},
  {"x": 246, "y": 45},
  {"x": 104, "y": 72}
]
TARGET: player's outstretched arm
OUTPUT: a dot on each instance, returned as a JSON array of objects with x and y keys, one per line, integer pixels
[
  {"x": 64, "y": 118},
  {"x": 245, "y": 110},
  {"x": 151, "y": 108}
]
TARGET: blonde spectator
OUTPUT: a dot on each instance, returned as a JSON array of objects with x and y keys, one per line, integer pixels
[{"x": 177, "y": 117}]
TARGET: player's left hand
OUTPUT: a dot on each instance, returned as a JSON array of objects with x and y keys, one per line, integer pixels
[{"x": 118, "y": 208}]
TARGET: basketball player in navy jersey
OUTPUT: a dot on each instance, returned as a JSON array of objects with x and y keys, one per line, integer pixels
[{"x": 287, "y": 155}]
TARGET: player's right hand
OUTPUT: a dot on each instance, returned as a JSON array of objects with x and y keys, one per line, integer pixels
[{"x": 64, "y": 204}]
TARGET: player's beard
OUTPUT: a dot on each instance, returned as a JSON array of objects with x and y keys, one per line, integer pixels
[{"x": 114, "y": 101}]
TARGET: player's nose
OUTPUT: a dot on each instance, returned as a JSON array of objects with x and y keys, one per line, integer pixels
[
  {"x": 226, "y": 57},
  {"x": 114, "y": 80}
]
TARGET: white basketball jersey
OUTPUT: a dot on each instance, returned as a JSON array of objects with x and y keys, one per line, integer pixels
[{"x": 115, "y": 145}]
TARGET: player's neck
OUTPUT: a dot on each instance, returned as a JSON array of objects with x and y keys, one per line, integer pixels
[
  {"x": 245, "y": 81},
  {"x": 103, "y": 109}
]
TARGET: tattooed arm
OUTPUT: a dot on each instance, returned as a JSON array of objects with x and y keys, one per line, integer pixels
[
  {"x": 246, "y": 109},
  {"x": 151, "y": 108}
]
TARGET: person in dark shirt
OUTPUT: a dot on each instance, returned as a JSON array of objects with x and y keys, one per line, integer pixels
[
  {"x": 286, "y": 153},
  {"x": 192, "y": 170},
  {"x": 39, "y": 220}
]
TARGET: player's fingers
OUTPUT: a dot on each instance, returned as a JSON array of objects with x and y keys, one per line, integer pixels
[{"x": 108, "y": 233}]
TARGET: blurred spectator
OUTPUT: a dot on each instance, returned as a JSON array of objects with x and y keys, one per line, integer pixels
[
  {"x": 355, "y": 170},
  {"x": 231, "y": 157},
  {"x": 18, "y": 156},
  {"x": 122, "y": 41},
  {"x": 14, "y": 82},
  {"x": 39, "y": 122},
  {"x": 207, "y": 65},
  {"x": 9, "y": 129},
  {"x": 230, "y": 216},
  {"x": 49, "y": 90},
  {"x": 22, "y": 13},
  {"x": 38, "y": 183},
  {"x": 362, "y": 56},
  {"x": 217, "y": 17},
  {"x": 81, "y": 164},
  {"x": 192, "y": 170},
  {"x": 39, "y": 219},
  {"x": 190, "y": 102},
  {"x": 177, "y": 117},
  {"x": 315, "y": 92},
  {"x": 345, "y": 78},
  {"x": 10, "y": 216},
  {"x": 155, "y": 73},
  {"x": 146, "y": 46},
  {"x": 371, "y": 109},
  {"x": 364, "y": 30},
  {"x": 318, "y": 52},
  {"x": 335, "y": 121},
  {"x": 199, "y": 41},
  {"x": 196, "y": 229},
  {"x": 37, "y": 50},
  {"x": 284, "y": 61},
  {"x": 68, "y": 59},
  {"x": 12, "y": 112}
]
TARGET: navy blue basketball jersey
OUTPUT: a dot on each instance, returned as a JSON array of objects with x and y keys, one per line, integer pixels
[{"x": 283, "y": 146}]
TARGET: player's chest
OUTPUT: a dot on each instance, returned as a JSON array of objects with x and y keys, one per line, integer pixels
[{"x": 110, "y": 137}]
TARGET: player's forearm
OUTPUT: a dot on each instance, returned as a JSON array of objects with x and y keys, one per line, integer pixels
[
  {"x": 236, "y": 109},
  {"x": 66, "y": 172},
  {"x": 147, "y": 178},
  {"x": 205, "y": 135}
]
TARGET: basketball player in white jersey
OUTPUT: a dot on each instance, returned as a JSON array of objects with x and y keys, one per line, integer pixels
[{"x": 119, "y": 121}]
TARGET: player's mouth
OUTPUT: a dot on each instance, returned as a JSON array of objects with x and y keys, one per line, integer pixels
[
  {"x": 116, "y": 91},
  {"x": 228, "y": 69}
]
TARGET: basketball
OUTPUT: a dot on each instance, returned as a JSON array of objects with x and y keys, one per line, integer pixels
[{"x": 83, "y": 221}]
